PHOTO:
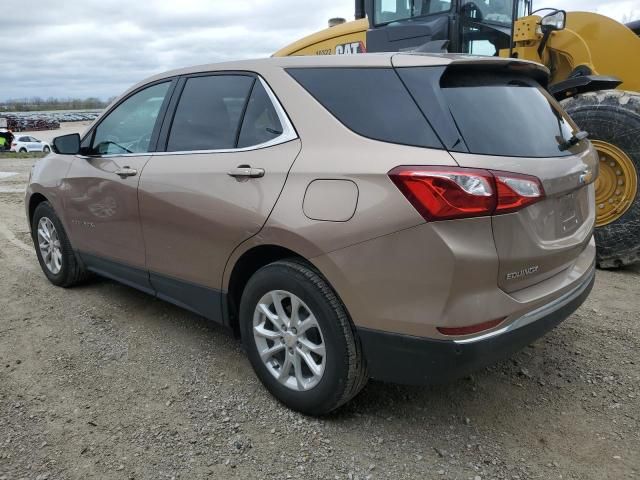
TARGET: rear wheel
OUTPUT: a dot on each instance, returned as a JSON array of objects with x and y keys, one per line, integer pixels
[
  {"x": 612, "y": 118},
  {"x": 299, "y": 338},
  {"x": 46, "y": 149},
  {"x": 23, "y": 150}
]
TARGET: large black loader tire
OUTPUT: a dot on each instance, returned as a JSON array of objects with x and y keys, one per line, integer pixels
[{"x": 613, "y": 116}]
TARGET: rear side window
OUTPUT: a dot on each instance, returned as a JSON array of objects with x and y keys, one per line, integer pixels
[
  {"x": 500, "y": 114},
  {"x": 208, "y": 113},
  {"x": 261, "y": 122},
  {"x": 372, "y": 102}
]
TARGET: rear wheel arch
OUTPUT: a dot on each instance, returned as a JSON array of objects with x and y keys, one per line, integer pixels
[{"x": 245, "y": 266}]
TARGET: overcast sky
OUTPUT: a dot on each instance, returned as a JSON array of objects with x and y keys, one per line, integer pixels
[{"x": 81, "y": 48}]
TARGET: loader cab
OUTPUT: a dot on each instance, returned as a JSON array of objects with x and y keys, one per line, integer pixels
[{"x": 480, "y": 27}]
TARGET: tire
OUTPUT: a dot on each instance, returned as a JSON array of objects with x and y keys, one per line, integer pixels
[
  {"x": 23, "y": 150},
  {"x": 70, "y": 272},
  {"x": 613, "y": 116},
  {"x": 345, "y": 372},
  {"x": 46, "y": 150}
]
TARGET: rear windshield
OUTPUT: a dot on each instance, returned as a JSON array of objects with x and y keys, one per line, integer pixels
[
  {"x": 372, "y": 102},
  {"x": 501, "y": 114}
]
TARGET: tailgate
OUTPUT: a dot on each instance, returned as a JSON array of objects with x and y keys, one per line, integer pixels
[
  {"x": 545, "y": 238},
  {"x": 498, "y": 117}
]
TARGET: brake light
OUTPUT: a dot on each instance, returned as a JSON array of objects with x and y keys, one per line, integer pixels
[
  {"x": 14, "y": 144},
  {"x": 445, "y": 193}
]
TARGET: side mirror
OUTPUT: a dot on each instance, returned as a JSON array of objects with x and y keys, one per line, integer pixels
[
  {"x": 67, "y": 144},
  {"x": 553, "y": 21}
]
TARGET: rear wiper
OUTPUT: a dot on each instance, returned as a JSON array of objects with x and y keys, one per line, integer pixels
[{"x": 575, "y": 138}]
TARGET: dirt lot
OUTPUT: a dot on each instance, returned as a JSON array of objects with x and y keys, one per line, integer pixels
[{"x": 105, "y": 382}]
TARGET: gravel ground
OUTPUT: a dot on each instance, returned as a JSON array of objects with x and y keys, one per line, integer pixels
[{"x": 105, "y": 382}]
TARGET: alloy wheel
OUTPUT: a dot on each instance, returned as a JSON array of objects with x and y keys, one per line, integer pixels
[
  {"x": 289, "y": 340},
  {"x": 49, "y": 245}
]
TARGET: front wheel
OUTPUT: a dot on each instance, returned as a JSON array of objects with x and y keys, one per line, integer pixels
[
  {"x": 299, "y": 338},
  {"x": 23, "y": 150},
  {"x": 56, "y": 257},
  {"x": 612, "y": 118},
  {"x": 46, "y": 149}
]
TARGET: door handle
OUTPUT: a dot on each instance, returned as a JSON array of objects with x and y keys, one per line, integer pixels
[
  {"x": 125, "y": 172},
  {"x": 246, "y": 171}
]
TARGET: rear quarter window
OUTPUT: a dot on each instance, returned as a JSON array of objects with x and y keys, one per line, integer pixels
[{"x": 371, "y": 102}]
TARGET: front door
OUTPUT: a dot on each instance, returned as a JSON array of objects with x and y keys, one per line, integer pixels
[
  {"x": 102, "y": 196},
  {"x": 227, "y": 156}
]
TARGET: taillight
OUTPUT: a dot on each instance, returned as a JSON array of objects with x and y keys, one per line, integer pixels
[
  {"x": 516, "y": 191},
  {"x": 444, "y": 193},
  {"x": 14, "y": 144}
]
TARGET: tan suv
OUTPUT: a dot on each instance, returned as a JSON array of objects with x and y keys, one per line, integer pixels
[{"x": 401, "y": 217}]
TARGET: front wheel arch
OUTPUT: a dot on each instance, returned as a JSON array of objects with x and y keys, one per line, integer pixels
[{"x": 35, "y": 200}]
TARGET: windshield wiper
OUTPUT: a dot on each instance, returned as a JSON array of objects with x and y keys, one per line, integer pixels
[{"x": 575, "y": 138}]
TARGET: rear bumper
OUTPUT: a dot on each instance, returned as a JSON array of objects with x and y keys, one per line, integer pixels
[{"x": 418, "y": 361}]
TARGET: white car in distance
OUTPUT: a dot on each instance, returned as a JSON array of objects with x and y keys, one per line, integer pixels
[{"x": 26, "y": 143}]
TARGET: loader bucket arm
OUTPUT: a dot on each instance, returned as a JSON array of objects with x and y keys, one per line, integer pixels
[{"x": 591, "y": 43}]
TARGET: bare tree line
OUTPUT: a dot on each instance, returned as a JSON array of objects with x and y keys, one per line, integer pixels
[{"x": 35, "y": 104}]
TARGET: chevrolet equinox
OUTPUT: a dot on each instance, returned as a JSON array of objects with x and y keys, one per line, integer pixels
[{"x": 402, "y": 217}]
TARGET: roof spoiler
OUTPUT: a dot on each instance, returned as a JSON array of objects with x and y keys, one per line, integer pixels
[{"x": 533, "y": 70}]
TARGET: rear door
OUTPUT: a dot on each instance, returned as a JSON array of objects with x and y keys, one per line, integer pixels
[
  {"x": 508, "y": 123},
  {"x": 228, "y": 151}
]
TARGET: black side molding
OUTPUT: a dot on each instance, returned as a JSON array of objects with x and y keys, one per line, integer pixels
[
  {"x": 196, "y": 298},
  {"x": 125, "y": 274},
  {"x": 581, "y": 84},
  {"x": 207, "y": 302}
]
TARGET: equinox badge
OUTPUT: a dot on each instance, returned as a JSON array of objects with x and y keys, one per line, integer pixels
[{"x": 522, "y": 273}]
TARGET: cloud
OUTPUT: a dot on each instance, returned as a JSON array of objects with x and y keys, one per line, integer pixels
[{"x": 79, "y": 48}]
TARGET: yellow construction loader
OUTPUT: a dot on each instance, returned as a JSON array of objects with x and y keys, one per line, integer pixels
[{"x": 594, "y": 65}]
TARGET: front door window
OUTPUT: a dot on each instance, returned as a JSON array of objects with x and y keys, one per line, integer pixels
[{"x": 129, "y": 127}]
